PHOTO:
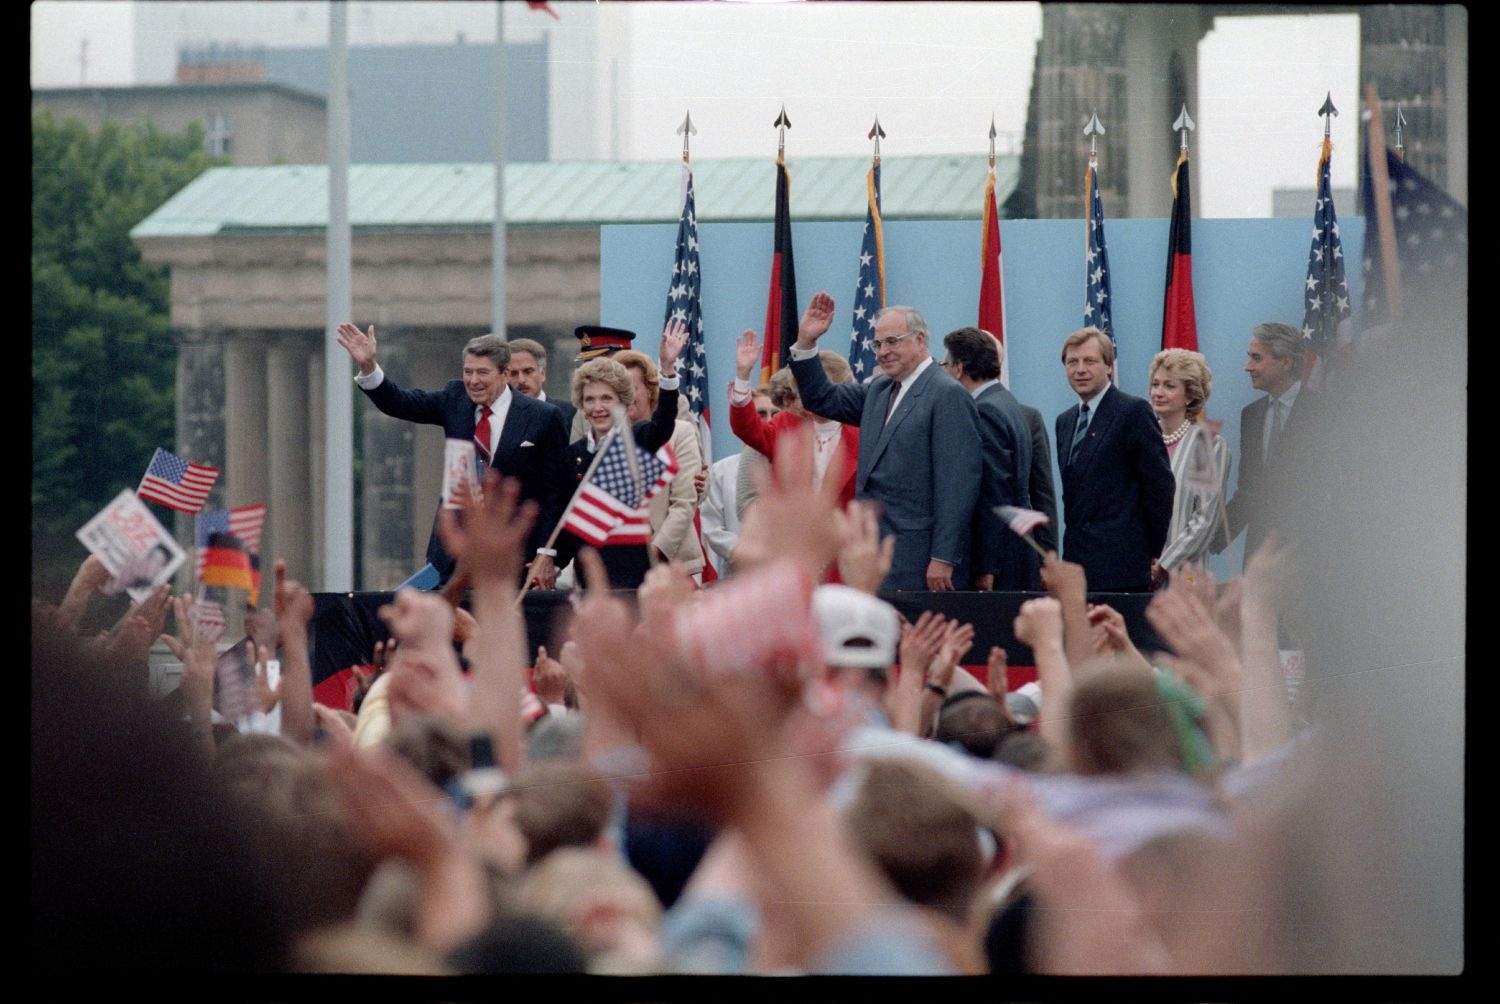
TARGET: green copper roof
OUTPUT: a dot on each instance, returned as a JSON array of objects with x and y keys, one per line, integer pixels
[{"x": 571, "y": 194}]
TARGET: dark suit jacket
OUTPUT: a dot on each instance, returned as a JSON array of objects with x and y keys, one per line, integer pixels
[
  {"x": 1253, "y": 508},
  {"x": 922, "y": 466},
  {"x": 532, "y": 449},
  {"x": 1043, "y": 493},
  {"x": 567, "y": 408},
  {"x": 1006, "y": 460},
  {"x": 1117, "y": 494}
]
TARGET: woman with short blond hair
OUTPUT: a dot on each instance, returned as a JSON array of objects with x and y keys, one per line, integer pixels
[{"x": 1181, "y": 383}]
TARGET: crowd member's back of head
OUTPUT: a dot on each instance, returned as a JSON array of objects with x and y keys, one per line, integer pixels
[
  {"x": 909, "y": 818},
  {"x": 605, "y": 907},
  {"x": 434, "y": 745},
  {"x": 301, "y": 851},
  {"x": 1118, "y": 723},
  {"x": 130, "y": 871},
  {"x": 975, "y": 722},
  {"x": 557, "y": 804}
]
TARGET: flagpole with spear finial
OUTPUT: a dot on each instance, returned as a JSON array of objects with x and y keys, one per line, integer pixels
[
  {"x": 1400, "y": 121},
  {"x": 1093, "y": 130},
  {"x": 1183, "y": 125},
  {"x": 877, "y": 134},
  {"x": 686, "y": 130},
  {"x": 1327, "y": 112},
  {"x": 782, "y": 124}
]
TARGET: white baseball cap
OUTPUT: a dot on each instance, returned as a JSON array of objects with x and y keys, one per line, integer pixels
[{"x": 857, "y": 629}]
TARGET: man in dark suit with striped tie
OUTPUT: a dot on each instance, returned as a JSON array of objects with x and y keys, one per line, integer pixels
[
  {"x": 519, "y": 436},
  {"x": 1116, "y": 479}
]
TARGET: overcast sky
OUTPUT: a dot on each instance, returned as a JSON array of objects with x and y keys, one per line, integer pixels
[{"x": 934, "y": 73}]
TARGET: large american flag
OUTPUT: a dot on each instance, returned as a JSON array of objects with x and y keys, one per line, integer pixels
[
  {"x": 1431, "y": 242},
  {"x": 1096, "y": 306},
  {"x": 610, "y": 504},
  {"x": 684, "y": 304},
  {"x": 869, "y": 290},
  {"x": 176, "y": 483},
  {"x": 1325, "y": 319}
]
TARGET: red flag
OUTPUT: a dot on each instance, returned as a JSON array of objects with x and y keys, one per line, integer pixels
[
  {"x": 991, "y": 296},
  {"x": 1179, "y": 327},
  {"x": 543, "y": 6},
  {"x": 781, "y": 305}
]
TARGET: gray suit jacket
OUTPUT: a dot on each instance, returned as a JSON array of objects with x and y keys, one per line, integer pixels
[{"x": 922, "y": 465}]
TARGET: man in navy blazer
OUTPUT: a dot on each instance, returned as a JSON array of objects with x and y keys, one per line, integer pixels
[
  {"x": 1116, "y": 479},
  {"x": 918, "y": 443},
  {"x": 1001, "y": 560},
  {"x": 526, "y": 438}
]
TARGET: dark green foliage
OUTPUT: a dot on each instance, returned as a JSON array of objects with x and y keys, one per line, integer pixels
[{"x": 103, "y": 362}]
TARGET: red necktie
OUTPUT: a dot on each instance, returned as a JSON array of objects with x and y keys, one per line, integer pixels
[{"x": 482, "y": 439}]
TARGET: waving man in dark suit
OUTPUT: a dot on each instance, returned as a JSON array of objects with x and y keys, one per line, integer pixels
[
  {"x": 918, "y": 443},
  {"x": 1116, "y": 479},
  {"x": 519, "y": 436}
]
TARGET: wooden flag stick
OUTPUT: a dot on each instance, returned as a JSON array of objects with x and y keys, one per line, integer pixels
[
  {"x": 1381, "y": 182},
  {"x": 1034, "y": 545}
]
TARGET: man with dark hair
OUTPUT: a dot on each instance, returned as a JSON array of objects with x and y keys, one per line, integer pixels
[
  {"x": 1117, "y": 480},
  {"x": 520, "y": 437},
  {"x": 1274, "y": 362},
  {"x": 1000, "y": 559},
  {"x": 918, "y": 443},
  {"x": 527, "y": 374}
]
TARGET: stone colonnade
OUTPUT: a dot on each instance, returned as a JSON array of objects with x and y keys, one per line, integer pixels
[{"x": 247, "y": 314}]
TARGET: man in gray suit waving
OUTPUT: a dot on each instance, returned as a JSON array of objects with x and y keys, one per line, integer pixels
[{"x": 918, "y": 443}]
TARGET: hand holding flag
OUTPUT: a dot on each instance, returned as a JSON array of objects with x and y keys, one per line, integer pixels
[{"x": 1022, "y": 522}]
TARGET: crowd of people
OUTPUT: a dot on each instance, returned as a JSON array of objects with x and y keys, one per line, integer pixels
[{"x": 779, "y": 774}]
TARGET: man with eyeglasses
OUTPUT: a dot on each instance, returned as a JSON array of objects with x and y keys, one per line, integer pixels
[{"x": 918, "y": 443}]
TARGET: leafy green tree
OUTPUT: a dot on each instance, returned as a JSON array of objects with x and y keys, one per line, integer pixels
[{"x": 103, "y": 362}]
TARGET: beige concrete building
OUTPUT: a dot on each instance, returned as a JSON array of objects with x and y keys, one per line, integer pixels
[
  {"x": 246, "y": 251},
  {"x": 251, "y": 123}
]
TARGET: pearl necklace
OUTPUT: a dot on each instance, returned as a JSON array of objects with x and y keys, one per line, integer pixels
[{"x": 1182, "y": 430}]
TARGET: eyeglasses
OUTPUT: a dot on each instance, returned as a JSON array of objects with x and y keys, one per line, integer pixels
[{"x": 889, "y": 343}]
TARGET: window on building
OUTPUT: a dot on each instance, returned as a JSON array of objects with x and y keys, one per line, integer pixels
[{"x": 219, "y": 137}]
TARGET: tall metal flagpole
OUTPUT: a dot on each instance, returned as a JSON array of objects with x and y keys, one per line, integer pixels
[
  {"x": 338, "y": 395},
  {"x": 497, "y": 228}
]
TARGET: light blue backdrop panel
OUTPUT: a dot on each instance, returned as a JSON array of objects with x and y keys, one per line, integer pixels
[{"x": 1244, "y": 272}]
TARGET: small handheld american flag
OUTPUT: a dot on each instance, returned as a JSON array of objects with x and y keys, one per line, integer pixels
[
  {"x": 610, "y": 504},
  {"x": 177, "y": 483},
  {"x": 1022, "y": 522}
]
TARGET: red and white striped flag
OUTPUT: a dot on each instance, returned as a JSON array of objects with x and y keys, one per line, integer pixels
[
  {"x": 207, "y": 616},
  {"x": 177, "y": 483},
  {"x": 611, "y": 503},
  {"x": 246, "y": 522}
]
